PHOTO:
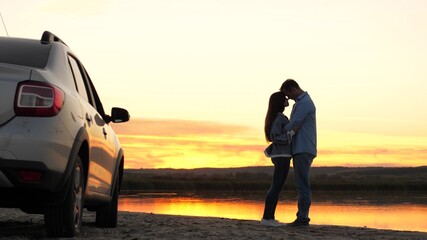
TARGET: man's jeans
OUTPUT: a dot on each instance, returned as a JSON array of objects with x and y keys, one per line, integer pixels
[
  {"x": 281, "y": 169},
  {"x": 302, "y": 165}
]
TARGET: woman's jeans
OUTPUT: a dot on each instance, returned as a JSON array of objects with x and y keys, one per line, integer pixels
[
  {"x": 281, "y": 169},
  {"x": 302, "y": 165}
]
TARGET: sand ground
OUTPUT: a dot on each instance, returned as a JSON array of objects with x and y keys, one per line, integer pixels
[{"x": 15, "y": 224}]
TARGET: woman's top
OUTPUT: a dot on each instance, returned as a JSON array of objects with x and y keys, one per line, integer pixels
[{"x": 281, "y": 144}]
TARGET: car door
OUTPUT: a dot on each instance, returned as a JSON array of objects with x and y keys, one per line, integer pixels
[
  {"x": 109, "y": 151},
  {"x": 99, "y": 172}
]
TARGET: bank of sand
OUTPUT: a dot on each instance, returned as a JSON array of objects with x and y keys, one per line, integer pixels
[{"x": 15, "y": 224}]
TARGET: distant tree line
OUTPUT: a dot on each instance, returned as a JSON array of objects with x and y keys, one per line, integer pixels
[{"x": 259, "y": 178}]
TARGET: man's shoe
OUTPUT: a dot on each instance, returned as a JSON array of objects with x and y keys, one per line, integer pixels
[
  {"x": 299, "y": 223},
  {"x": 271, "y": 223}
]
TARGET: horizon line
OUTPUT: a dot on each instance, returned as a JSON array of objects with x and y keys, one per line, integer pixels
[{"x": 396, "y": 167}]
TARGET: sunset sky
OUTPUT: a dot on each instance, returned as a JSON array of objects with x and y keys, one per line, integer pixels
[{"x": 196, "y": 75}]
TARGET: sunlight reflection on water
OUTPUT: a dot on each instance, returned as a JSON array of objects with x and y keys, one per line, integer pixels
[{"x": 397, "y": 214}]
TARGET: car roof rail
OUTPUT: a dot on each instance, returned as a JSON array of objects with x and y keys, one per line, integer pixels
[{"x": 49, "y": 37}]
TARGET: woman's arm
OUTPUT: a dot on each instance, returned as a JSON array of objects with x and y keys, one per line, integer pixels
[{"x": 278, "y": 132}]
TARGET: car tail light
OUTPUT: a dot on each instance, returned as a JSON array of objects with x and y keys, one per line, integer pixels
[{"x": 38, "y": 99}]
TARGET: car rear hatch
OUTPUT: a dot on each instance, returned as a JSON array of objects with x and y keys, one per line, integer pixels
[{"x": 10, "y": 76}]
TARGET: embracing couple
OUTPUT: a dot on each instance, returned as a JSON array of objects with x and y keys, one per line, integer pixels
[{"x": 295, "y": 139}]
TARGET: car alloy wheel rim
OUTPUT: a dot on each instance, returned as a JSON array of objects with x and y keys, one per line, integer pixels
[{"x": 78, "y": 194}]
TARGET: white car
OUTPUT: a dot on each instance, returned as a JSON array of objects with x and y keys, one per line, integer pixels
[{"x": 58, "y": 153}]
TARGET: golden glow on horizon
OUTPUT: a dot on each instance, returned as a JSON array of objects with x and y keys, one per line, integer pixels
[
  {"x": 190, "y": 151},
  {"x": 193, "y": 144},
  {"x": 364, "y": 149}
]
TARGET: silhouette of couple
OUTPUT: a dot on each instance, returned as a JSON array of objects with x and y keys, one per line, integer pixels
[{"x": 295, "y": 139}]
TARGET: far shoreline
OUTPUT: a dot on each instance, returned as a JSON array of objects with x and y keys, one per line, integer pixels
[{"x": 399, "y": 179}]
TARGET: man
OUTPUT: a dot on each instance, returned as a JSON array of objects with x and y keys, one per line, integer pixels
[{"x": 304, "y": 145}]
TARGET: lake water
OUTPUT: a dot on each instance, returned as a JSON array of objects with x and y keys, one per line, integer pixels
[{"x": 373, "y": 210}]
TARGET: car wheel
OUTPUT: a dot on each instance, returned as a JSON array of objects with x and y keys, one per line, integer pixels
[
  {"x": 64, "y": 220},
  {"x": 106, "y": 214}
]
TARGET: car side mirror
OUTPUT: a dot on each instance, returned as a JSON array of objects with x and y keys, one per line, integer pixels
[{"x": 119, "y": 115}]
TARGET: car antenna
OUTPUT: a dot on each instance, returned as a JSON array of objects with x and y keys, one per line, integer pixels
[{"x": 4, "y": 25}]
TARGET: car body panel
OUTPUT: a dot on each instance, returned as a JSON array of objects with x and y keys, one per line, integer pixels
[
  {"x": 100, "y": 172},
  {"x": 9, "y": 78}
]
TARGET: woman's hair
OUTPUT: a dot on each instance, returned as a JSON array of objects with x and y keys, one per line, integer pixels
[{"x": 275, "y": 105}]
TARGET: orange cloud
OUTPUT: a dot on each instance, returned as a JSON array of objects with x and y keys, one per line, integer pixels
[
  {"x": 387, "y": 155},
  {"x": 163, "y": 127},
  {"x": 195, "y": 144},
  {"x": 189, "y": 144}
]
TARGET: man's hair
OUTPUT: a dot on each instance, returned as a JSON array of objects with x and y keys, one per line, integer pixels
[{"x": 289, "y": 84}]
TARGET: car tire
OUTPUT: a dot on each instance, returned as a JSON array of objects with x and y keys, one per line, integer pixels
[
  {"x": 64, "y": 220},
  {"x": 106, "y": 214}
]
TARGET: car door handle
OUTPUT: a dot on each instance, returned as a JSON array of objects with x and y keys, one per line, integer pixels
[{"x": 88, "y": 117}]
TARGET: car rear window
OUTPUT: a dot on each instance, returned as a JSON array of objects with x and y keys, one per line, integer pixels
[{"x": 30, "y": 53}]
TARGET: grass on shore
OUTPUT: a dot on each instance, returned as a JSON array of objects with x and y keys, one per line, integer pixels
[{"x": 259, "y": 178}]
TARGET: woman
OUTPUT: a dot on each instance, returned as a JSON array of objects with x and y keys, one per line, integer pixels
[{"x": 280, "y": 152}]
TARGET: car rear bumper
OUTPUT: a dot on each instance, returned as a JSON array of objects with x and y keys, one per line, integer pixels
[
  {"x": 17, "y": 174},
  {"x": 17, "y": 191},
  {"x": 34, "y": 160}
]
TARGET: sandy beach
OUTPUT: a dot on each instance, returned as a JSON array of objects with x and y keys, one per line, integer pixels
[{"x": 15, "y": 224}]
